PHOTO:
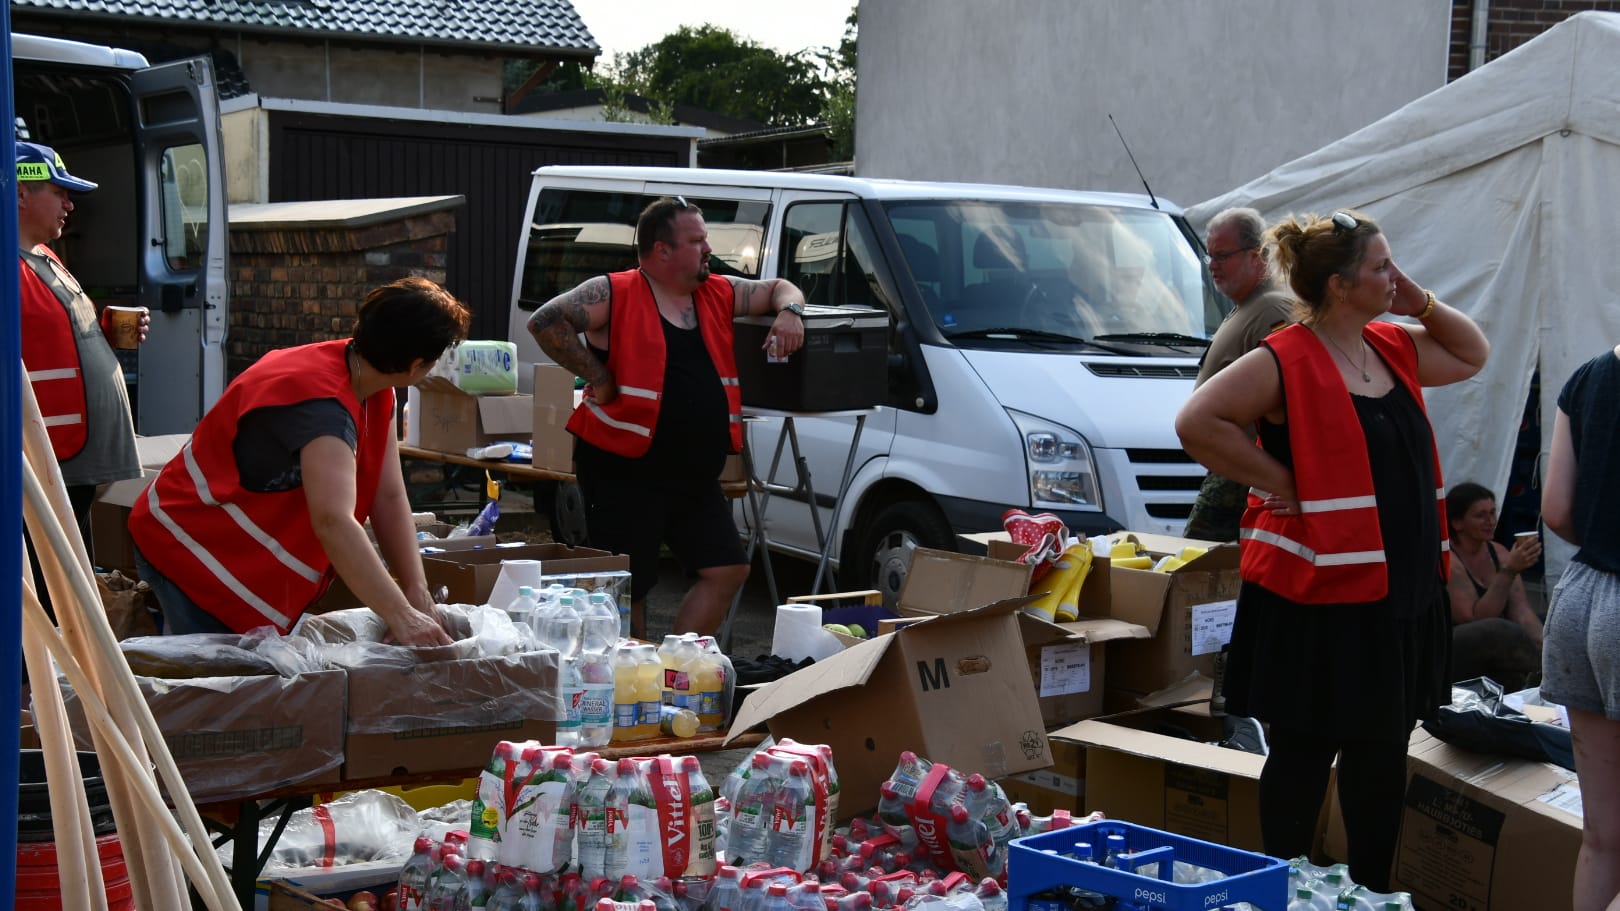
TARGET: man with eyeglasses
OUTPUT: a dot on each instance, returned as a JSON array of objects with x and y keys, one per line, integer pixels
[
  {"x": 1241, "y": 270},
  {"x": 663, "y": 407}
]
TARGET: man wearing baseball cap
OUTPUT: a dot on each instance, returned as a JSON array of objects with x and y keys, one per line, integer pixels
[{"x": 75, "y": 375}]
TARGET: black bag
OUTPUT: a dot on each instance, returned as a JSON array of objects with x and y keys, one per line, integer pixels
[{"x": 1478, "y": 720}]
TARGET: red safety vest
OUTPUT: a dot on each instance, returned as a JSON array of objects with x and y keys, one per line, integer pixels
[
  {"x": 636, "y": 356},
  {"x": 253, "y": 558},
  {"x": 1333, "y": 551},
  {"x": 50, "y": 353}
]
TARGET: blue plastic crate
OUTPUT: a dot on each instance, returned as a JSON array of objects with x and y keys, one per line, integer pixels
[{"x": 1260, "y": 880}]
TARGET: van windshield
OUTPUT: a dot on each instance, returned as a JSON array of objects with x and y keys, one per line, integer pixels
[{"x": 1057, "y": 270}]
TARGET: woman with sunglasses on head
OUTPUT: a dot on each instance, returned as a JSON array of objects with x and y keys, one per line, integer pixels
[
  {"x": 1342, "y": 639},
  {"x": 1580, "y": 656}
]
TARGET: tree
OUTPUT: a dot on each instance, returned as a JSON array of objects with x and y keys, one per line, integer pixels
[
  {"x": 712, "y": 68},
  {"x": 838, "y": 113}
]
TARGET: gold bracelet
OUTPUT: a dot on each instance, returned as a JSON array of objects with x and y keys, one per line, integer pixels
[{"x": 1428, "y": 309}]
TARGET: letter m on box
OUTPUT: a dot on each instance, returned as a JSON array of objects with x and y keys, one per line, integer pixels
[{"x": 935, "y": 677}]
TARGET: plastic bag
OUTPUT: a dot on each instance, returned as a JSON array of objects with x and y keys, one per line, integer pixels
[
  {"x": 494, "y": 633},
  {"x": 355, "y": 828},
  {"x": 195, "y": 655},
  {"x": 1479, "y": 719}
]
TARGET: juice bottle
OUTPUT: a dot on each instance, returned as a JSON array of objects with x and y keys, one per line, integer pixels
[
  {"x": 708, "y": 683},
  {"x": 626, "y": 697},
  {"x": 649, "y": 692}
]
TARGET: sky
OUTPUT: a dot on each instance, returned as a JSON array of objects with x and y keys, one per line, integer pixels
[{"x": 626, "y": 25}]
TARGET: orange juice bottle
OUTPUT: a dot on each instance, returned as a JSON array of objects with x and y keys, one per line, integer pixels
[
  {"x": 626, "y": 699},
  {"x": 649, "y": 689}
]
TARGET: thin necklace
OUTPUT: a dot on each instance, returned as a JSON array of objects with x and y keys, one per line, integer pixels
[{"x": 1365, "y": 377}]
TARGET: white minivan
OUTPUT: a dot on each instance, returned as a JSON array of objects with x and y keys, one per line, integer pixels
[
  {"x": 1040, "y": 342},
  {"x": 153, "y": 233}
]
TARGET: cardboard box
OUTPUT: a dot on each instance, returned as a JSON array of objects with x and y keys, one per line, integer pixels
[
  {"x": 233, "y": 737},
  {"x": 408, "y": 720},
  {"x": 1185, "y": 786},
  {"x": 1480, "y": 832},
  {"x": 1188, "y": 610},
  {"x": 110, "y": 544},
  {"x": 470, "y": 574},
  {"x": 455, "y": 421},
  {"x": 554, "y": 401},
  {"x": 1066, "y": 660},
  {"x": 954, "y": 688},
  {"x": 1095, "y": 596},
  {"x": 1060, "y": 787}
]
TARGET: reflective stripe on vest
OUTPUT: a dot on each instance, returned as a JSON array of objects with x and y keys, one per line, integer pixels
[
  {"x": 637, "y": 359},
  {"x": 206, "y": 558},
  {"x": 1332, "y": 551}
]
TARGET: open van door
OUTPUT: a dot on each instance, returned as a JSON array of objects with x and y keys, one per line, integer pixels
[{"x": 181, "y": 269}]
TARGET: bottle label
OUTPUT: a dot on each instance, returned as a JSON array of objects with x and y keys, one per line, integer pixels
[{"x": 596, "y": 706}]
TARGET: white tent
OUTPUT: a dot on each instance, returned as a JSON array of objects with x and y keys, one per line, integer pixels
[{"x": 1501, "y": 193}]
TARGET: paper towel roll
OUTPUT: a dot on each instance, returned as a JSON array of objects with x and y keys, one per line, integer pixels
[
  {"x": 514, "y": 575},
  {"x": 413, "y": 416},
  {"x": 798, "y": 634}
]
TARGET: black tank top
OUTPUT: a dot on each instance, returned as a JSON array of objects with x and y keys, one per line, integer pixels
[{"x": 693, "y": 434}]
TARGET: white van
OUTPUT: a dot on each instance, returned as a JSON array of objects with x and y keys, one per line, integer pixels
[
  {"x": 1040, "y": 343},
  {"x": 153, "y": 233}
]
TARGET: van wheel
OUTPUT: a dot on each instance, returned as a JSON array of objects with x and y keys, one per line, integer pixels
[
  {"x": 884, "y": 554},
  {"x": 568, "y": 515}
]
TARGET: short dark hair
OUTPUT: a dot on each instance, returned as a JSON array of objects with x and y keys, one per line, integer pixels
[
  {"x": 1462, "y": 498},
  {"x": 657, "y": 222},
  {"x": 408, "y": 319}
]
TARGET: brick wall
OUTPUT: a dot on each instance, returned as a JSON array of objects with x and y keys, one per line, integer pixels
[
  {"x": 1511, "y": 23},
  {"x": 292, "y": 284}
]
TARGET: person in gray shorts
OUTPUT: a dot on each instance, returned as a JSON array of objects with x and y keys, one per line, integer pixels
[{"x": 1580, "y": 657}]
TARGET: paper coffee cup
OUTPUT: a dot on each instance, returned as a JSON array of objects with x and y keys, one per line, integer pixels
[
  {"x": 1526, "y": 534},
  {"x": 123, "y": 326}
]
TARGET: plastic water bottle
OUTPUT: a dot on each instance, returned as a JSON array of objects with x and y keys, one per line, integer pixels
[
  {"x": 776, "y": 898},
  {"x": 592, "y": 820},
  {"x": 892, "y": 813},
  {"x": 909, "y": 773},
  {"x": 522, "y": 607},
  {"x": 792, "y": 820},
  {"x": 806, "y": 896},
  {"x": 639, "y": 839},
  {"x": 413, "y": 877},
  {"x": 600, "y": 630},
  {"x": 972, "y": 847},
  {"x": 702, "y": 860},
  {"x": 726, "y": 892},
  {"x": 751, "y": 814},
  {"x": 985, "y": 800},
  {"x": 1306, "y": 899},
  {"x": 508, "y": 892},
  {"x": 476, "y": 892},
  {"x": 990, "y": 895},
  {"x": 1113, "y": 847},
  {"x": 452, "y": 880},
  {"x": 596, "y": 699}
]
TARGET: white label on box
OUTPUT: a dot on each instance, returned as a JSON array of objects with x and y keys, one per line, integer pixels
[
  {"x": 1212, "y": 625},
  {"x": 1065, "y": 669},
  {"x": 1566, "y": 797}
]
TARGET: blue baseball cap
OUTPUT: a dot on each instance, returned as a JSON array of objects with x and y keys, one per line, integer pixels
[{"x": 36, "y": 162}]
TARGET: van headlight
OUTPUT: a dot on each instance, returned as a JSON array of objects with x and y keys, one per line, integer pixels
[{"x": 1061, "y": 473}]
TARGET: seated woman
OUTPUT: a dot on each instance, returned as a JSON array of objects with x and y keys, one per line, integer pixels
[{"x": 1494, "y": 632}]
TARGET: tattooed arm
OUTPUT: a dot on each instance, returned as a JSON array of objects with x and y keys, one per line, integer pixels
[
  {"x": 755, "y": 298},
  {"x": 556, "y": 326}
]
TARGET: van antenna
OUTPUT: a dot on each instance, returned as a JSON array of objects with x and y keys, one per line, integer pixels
[{"x": 1151, "y": 198}]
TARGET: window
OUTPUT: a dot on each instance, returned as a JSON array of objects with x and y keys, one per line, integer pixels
[
  {"x": 830, "y": 254},
  {"x": 579, "y": 234},
  {"x": 184, "y": 174}
]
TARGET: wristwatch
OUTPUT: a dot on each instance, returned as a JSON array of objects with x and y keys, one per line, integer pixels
[{"x": 795, "y": 309}]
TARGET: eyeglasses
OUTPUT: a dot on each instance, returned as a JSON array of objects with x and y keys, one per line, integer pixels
[
  {"x": 1344, "y": 221},
  {"x": 1211, "y": 259}
]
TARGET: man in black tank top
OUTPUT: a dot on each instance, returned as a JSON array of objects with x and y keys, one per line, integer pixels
[{"x": 670, "y": 493}]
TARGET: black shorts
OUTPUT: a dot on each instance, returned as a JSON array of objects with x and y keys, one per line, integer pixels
[{"x": 633, "y": 517}]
